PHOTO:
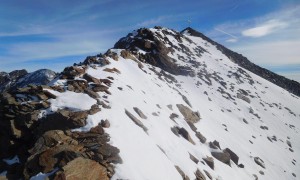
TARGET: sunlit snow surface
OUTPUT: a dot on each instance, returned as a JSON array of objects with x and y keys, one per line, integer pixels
[{"x": 153, "y": 155}]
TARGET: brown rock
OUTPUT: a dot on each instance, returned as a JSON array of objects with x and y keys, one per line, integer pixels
[
  {"x": 112, "y": 70},
  {"x": 92, "y": 94},
  {"x": 105, "y": 123},
  {"x": 100, "y": 88},
  {"x": 199, "y": 175},
  {"x": 127, "y": 55},
  {"x": 184, "y": 177},
  {"x": 135, "y": 120},
  {"x": 210, "y": 162},
  {"x": 78, "y": 168},
  {"x": 90, "y": 78},
  {"x": 94, "y": 109},
  {"x": 188, "y": 114},
  {"x": 208, "y": 174}
]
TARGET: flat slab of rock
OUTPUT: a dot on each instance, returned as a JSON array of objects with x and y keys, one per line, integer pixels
[
  {"x": 81, "y": 168},
  {"x": 260, "y": 162},
  {"x": 188, "y": 114},
  {"x": 136, "y": 120},
  {"x": 140, "y": 113}
]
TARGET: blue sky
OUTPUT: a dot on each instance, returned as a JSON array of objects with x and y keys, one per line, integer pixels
[{"x": 54, "y": 34}]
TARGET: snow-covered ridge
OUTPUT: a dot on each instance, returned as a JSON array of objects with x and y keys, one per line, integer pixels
[{"x": 179, "y": 108}]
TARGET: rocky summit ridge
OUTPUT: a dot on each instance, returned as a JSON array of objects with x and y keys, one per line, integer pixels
[{"x": 160, "y": 104}]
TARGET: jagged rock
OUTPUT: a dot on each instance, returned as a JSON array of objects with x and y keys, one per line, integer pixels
[
  {"x": 188, "y": 114},
  {"x": 224, "y": 157},
  {"x": 200, "y": 137},
  {"x": 71, "y": 72},
  {"x": 94, "y": 109},
  {"x": 112, "y": 70},
  {"x": 208, "y": 174},
  {"x": 199, "y": 175},
  {"x": 51, "y": 158},
  {"x": 49, "y": 139},
  {"x": 233, "y": 156},
  {"x": 78, "y": 168},
  {"x": 173, "y": 116},
  {"x": 193, "y": 158},
  {"x": 185, "y": 135},
  {"x": 63, "y": 120},
  {"x": 92, "y": 94},
  {"x": 90, "y": 78},
  {"x": 210, "y": 162},
  {"x": 49, "y": 94},
  {"x": 127, "y": 55},
  {"x": 106, "y": 81},
  {"x": 212, "y": 145},
  {"x": 217, "y": 144},
  {"x": 260, "y": 162},
  {"x": 99, "y": 88},
  {"x": 140, "y": 113},
  {"x": 135, "y": 120},
  {"x": 184, "y": 177}
]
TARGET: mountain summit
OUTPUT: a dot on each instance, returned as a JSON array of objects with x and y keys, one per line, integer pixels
[{"x": 162, "y": 105}]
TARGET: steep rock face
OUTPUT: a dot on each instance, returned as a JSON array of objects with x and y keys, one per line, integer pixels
[{"x": 281, "y": 81}]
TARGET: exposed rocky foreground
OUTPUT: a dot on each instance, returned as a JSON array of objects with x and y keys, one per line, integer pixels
[{"x": 160, "y": 105}]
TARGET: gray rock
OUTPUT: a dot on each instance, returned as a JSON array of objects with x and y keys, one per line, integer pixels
[
  {"x": 135, "y": 120},
  {"x": 140, "y": 113},
  {"x": 260, "y": 162},
  {"x": 224, "y": 157}
]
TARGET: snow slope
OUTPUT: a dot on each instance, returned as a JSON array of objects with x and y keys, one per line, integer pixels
[{"x": 240, "y": 110}]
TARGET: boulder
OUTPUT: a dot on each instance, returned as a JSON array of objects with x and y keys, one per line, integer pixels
[
  {"x": 105, "y": 123},
  {"x": 224, "y": 157},
  {"x": 233, "y": 156},
  {"x": 188, "y": 114},
  {"x": 92, "y": 94},
  {"x": 78, "y": 168}
]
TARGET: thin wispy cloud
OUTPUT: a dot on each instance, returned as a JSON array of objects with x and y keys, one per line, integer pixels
[{"x": 266, "y": 28}]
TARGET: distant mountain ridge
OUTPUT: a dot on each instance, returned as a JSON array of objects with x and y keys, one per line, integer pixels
[{"x": 21, "y": 78}]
